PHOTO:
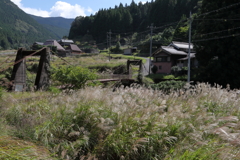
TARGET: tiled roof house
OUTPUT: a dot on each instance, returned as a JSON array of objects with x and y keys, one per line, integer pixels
[{"x": 175, "y": 54}]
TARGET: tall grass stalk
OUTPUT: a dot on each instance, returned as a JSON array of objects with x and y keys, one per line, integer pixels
[{"x": 132, "y": 123}]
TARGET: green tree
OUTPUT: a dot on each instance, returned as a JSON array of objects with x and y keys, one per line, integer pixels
[
  {"x": 5, "y": 44},
  {"x": 73, "y": 77},
  {"x": 216, "y": 46},
  {"x": 118, "y": 46}
]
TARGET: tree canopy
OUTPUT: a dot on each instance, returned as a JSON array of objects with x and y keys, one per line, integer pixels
[
  {"x": 216, "y": 42},
  {"x": 131, "y": 18}
]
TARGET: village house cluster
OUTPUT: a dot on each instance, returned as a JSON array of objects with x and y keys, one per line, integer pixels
[{"x": 65, "y": 47}]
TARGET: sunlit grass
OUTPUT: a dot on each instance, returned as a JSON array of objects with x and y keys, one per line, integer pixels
[
  {"x": 129, "y": 123},
  {"x": 14, "y": 148}
]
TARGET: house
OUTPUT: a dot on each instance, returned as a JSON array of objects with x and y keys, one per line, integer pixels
[
  {"x": 60, "y": 50},
  {"x": 130, "y": 51},
  {"x": 65, "y": 42},
  {"x": 70, "y": 47},
  {"x": 73, "y": 49},
  {"x": 175, "y": 54},
  {"x": 52, "y": 42}
]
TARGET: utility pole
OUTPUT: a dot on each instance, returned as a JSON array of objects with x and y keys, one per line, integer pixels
[
  {"x": 109, "y": 42},
  {"x": 150, "y": 56},
  {"x": 107, "y": 39},
  {"x": 189, "y": 47}
]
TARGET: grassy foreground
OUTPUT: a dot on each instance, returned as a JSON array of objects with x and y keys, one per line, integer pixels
[{"x": 133, "y": 123}]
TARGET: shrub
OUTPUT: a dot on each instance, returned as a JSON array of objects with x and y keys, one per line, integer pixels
[
  {"x": 32, "y": 67},
  {"x": 121, "y": 69},
  {"x": 167, "y": 86},
  {"x": 54, "y": 90},
  {"x": 73, "y": 77},
  {"x": 154, "y": 69},
  {"x": 169, "y": 77}
]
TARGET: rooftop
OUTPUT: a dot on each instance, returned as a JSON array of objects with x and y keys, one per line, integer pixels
[
  {"x": 181, "y": 45},
  {"x": 171, "y": 50}
]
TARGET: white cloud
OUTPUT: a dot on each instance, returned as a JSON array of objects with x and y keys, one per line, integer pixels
[
  {"x": 60, "y": 9},
  {"x": 67, "y": 10},
  {"x": 17, "y": 2},
  {"x": 36, "y": 12}
]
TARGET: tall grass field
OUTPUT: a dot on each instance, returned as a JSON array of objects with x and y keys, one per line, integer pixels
[{"x": 129, "y": 123}]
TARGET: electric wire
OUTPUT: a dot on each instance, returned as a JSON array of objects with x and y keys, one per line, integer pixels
[{"x": 220, "y": 9}]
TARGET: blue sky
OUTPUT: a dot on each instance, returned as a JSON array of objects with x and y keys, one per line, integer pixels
[{"x": 68, "y": 8}]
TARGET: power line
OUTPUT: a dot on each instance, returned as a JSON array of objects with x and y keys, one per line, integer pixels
[
  {"x": 214, "y": 38},
  {"x": 142, "y": 33},
  {"x": 218, "y": 32},
  {"x": 226, "y": 12},
  {"x": 20, "y": 60},
  {"x": 217, "y": 19},
  {"x": 220, "y": 9}
]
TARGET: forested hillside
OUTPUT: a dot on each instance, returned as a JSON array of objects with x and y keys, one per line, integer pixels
[
  {"x": 58, "y": 25},
  {"x": 132, "y": 18},
  {"x": 18, "y": 29},
  {"x": 217, "y": 40}
]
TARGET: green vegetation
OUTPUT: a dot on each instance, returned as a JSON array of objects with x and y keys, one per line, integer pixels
[
  {"x": 169, "y": 86},
  {"x": 130, "y": 22},
  {"x": 134, "y": 18},
  {"x": 129, "y": 57},
  {"x": 73, "y": 77},
  {"x": 57, "y": 25},
  {"x": 130, "y": 123},
  {"x": 17, "y": 29},
  {"x": 170, "y": 120},
  {"x": 219, "y": 57}
]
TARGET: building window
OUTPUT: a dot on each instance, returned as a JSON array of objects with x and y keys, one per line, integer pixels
[{"x": 160, "y": 67}]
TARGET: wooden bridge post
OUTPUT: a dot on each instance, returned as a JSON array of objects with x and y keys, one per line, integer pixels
[
  {"x": 19, "y": 70},
  {"x": 43, "y": 75},
  {"x": 19, "y": 73}
]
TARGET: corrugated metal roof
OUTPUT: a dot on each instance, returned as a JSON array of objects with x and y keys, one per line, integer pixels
[
  {"x": 66, "y": 41},
  {"x": 171, "y": 50},
  {"x": 182, "y": 45}
]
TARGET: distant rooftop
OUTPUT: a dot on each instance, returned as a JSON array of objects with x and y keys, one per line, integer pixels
[
  {"x": 172, "y": 50},
  {"x": 181, "y": 45},
  {"x": 66, "y": 41},
  {"x": 53, "y": 42}
]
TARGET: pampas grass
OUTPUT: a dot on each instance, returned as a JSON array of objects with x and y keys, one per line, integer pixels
[{"x": 200, "y": 122}]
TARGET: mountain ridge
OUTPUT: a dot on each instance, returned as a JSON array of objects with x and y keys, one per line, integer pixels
[
  {"x": 18, "y": 29},
  {"x": 59, "y": 26}
]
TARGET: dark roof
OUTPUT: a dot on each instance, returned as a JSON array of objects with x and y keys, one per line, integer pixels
[
  {"x": 175, "y": 48},
  {"x": 169, "y": 50},
  {"x": 75, "y": 48},
  {"x": 52, "y": 42}
]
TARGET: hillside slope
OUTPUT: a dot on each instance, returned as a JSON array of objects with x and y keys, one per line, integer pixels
[
  {"x": 57, "y": 25},
  {"x": 18, "y": 29}
]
